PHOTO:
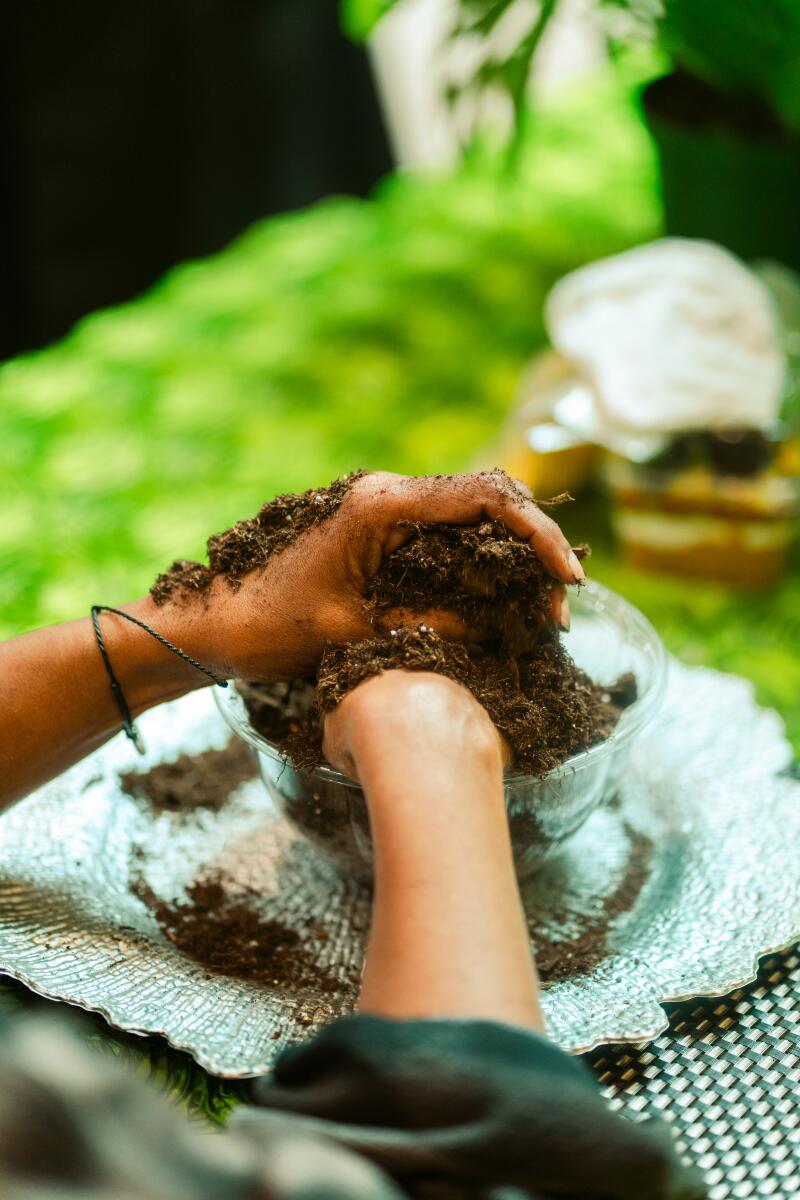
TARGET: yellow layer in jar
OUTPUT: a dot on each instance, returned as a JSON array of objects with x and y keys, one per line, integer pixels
[{"x": 743, "y": 552}]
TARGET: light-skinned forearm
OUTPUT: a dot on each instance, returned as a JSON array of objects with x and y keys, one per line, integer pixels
[{"x": 448, "y": 935}]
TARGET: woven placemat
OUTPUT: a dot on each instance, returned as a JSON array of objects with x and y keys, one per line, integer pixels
[{"x": 726, "y": 1076}]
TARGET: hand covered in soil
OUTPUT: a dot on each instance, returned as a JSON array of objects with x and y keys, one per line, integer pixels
[
  {"x": 389, "y": 713},
  {"x": 280, "y": 616}
]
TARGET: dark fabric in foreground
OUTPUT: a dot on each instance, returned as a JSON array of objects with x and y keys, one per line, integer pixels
[
  {"x": 464, "y": 1106},
  {"x": 367, "y": 1110}
]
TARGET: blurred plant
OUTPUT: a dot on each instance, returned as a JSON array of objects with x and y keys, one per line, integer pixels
[
  {"x": 359, "y": 17},
  {"x": 502, "y": 37},
  {"x": 743, "y": 48},
  {"x": 383, "y": 333},
  {"x": 749, "y": 49}
]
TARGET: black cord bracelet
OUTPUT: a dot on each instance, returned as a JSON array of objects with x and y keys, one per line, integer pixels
[{"x": 127, "y": 720}]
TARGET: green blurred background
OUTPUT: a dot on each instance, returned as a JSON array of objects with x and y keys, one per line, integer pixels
[{"x": 384, "y": 333}]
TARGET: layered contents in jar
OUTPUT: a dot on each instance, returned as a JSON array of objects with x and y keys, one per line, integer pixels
[{"x": 712, "y": 504}]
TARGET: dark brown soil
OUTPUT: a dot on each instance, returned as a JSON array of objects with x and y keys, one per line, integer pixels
[
  {"x": 279, "y": 710},
  {"x": 491, "y": 580},
  {"x": 484, "y": 574},
  {"x": 545, "y": 706},
  {"x": 251, "y": 543},
  {"x": 229, "y": 937},
  {"x": 560, "y": 960},
  {"x": 193, "y": 781},
  {"x": 547, "y": 709}
]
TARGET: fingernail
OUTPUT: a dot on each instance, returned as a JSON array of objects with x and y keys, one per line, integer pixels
[{"x": 577, "y": 569}]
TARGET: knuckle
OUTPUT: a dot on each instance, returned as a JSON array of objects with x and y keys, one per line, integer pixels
[
  {"x": 374, "y": 494},
  {"x": 500, "y": 488},
  {"x": 373, "y": 484}
]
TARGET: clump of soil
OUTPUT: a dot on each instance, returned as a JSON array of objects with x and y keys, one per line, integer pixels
[
  {"x": 280, "y": 710},
  {"x": 547, "y": 708},
  {"x": 228, "y": 936},
  {"x": 194, "y": 780},
  {"x": 490, "y": 579},
  {"x": 251, "y": 543},
  {"x": 558, "y": 960}
]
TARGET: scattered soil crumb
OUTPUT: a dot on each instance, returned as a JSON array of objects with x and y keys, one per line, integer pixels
[
  {"x": 193, "y": 781},
  {"x": 250, "y": 544},
  {"x": 228, "y": 936},
  {"x": 569, "y": 959}
]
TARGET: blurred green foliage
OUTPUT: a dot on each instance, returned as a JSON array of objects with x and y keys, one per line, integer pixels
[
  {"x": 747, "y": 48},
  {"x": 359, "y": 17},
  {"x": 388, "y": 333}
]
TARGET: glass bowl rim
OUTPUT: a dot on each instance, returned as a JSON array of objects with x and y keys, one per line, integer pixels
[{"x": 636, "y": 716}]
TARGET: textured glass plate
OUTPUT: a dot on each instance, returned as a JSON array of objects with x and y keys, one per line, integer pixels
[{"x": 720, "y": 888}]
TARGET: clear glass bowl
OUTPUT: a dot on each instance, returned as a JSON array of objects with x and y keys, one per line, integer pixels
[{"x": 608, "y": 637}]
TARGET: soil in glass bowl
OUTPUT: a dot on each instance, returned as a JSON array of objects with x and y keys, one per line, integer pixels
[
  {"x": 548, "y": 709},
  {"x": 609, "y": 638}
]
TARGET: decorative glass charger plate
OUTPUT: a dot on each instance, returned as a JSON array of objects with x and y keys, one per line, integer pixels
[{"x": 674, "y": 890}]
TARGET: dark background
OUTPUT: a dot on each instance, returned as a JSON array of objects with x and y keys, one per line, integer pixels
[{"x": 137, "y": 133}]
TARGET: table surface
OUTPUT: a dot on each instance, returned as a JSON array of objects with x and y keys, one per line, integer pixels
[
  {"x": 726, "y": 1076},
  {"x": 258, "y": 371}
]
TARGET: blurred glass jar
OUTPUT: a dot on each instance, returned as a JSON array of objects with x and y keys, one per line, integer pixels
[
  {"x": 716, "y": 505},
  {"x": 536, "y": 447}
]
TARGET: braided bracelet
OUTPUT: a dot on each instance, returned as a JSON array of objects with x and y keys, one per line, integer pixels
[{"x": 127, "y": 720}]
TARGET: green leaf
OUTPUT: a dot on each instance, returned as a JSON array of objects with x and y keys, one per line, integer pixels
[
  {"x": 359, "y": 17},
  {"x": 512, "y": 73},
  {"x": 481, "y": 16}
]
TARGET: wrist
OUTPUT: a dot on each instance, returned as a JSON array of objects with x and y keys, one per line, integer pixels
[
  {"x": 148, "y": 672},
  {"x": 232, "y": 633}
]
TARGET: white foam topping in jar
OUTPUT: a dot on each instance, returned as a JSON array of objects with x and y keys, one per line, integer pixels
[{"x": 678, "y": 334}]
